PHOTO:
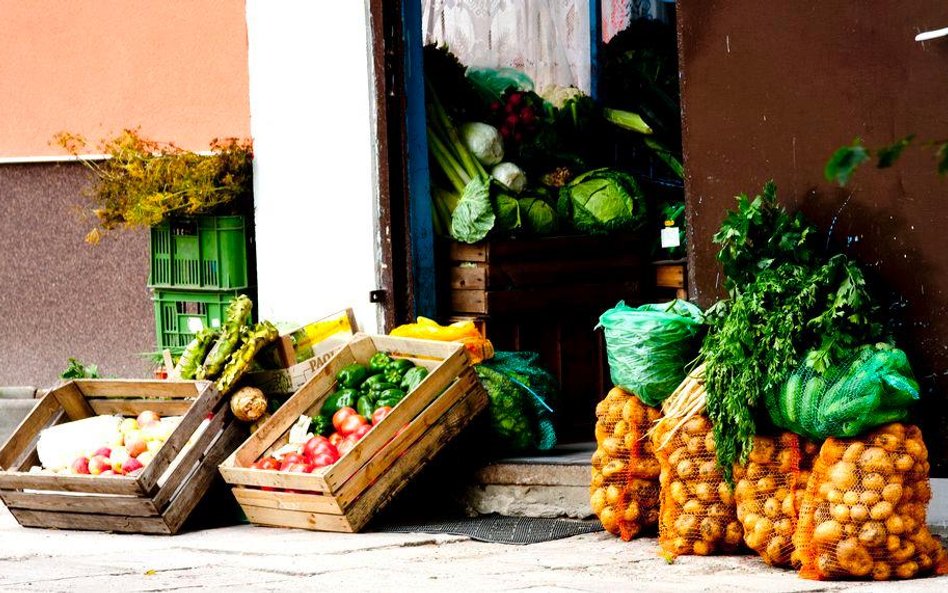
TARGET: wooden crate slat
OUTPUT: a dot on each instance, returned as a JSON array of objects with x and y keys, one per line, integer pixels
[
  {"x": 412, "y": 346},
  {"x": 423, "y": 422},
  {"x": 468, "y": 277},
  {"x": 288, "y": 501},
  {"x": 89, "y": 522},
  {"x": 506, "y": 302},
  {"x": 73, "y": 402},
  {"x": 297, "y": 519},
  {"x": 469, "y": 301},
  {"x": 80, "y": 503},
  {"x": 128, "y": 407},
  {"x": 408, "y": 465},
  {"x": 132, "y": 388},
  {"x": 23, "y": 440},
  {"x": 406, "y": 410},
  {"x": 207, "y": 402},
  {"x": 70, "y": 483}
]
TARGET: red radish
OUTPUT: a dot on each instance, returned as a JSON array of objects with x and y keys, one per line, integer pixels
[
  {"x": 514, "y": 99},
  {"x": 518, "y": 137},
  {"x": 527, "y": 116},
  {"x": 505, "y": 132},
  {"x": 512, "y": 120},
  {"x": 495, "y": 106}
]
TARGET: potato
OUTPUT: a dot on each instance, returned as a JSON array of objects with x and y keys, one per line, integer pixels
[
  {"x": 895, "y": 525},
  {"x": 910, "y": 523},
  {"x": 924, "y": 561},
  {"x": 613, "y": 467},
  {"x": 694, "y": 445},
  {"x": 680, "y": 546},
  {"x": 612, "y": 446},
  {"x": 904, "y": 553},
  {"x": 881, "y": 511},
  {"x": 704, "y": 492},
  {"x": 842, "y": 475},
  {"x": 620, "y": 429},
  {"x": 888, "y": 442},
  {"x": 923, "y": 492},
  {"x": 629, "y": 441},
  {"x": 853, "y": 451},
  {"x": 750, "y": 521},
  {"x": 602, "y": 407},
  {"x": 859, "y": 512},
  {"x": 609, "y": 519},
  {"x": 686, "y": 524},
  {"x": 916, "y": 448},
  {"x": 906, "y": 570},
  {"x": 893, "y": 543},
  {"x": 598, "y": 480},
  {"x": 702, "y": 548},
  {"x": 695, "y": 425},
  {"x": 710, "y": 529},
  {"x": 789, "y": 508},
  {"x": 873, "y": 481},
  {"x": 834, "y": 496},
  {"x": 717, "y": 510},
  {"x": 692, "y": 507},
  {"x": 872, "y": 534},
  {"x": 825, "y": 564},
  {"x": 601, "y": 432},
  {"x": 897, "y": 429},
  {"x": 725, "y": 493},
  {"x": 784, "y": 527},
  {"x": 677, "y": 455},
  {"x": 881, "y": 571},
  {"x": 754, "y": 471},
  {"x": 786, "y": 461},
  {"x": 904, "y": 462},
  {"x": 772, "y": 508},
  {"x": 678, "y": 492},
  {"x": 828, "y": 532},
  {"x": 892, "y": 493},
  {"x": 777, "y": 548},
  {"x": 763, "y": 451},
  {"x": 685, "y": 468},
  {"x": 853, "y": 558},
  {"x": 766, "y": 484},
  {"x": 876, "y": 459},
  {"x": 733, "y": 533},
  {"x": 632, "y": 512},
  {"x": 613, "y": 494},
  {"x": 870, "y": 497},
  {"x": 832, "y": 451},
  {"x": 707, "y": 470},
  {"x": 840, "y": 513},
  {"x": 598, "y": 500},
  {"x": 851, "y": 497},
  {"x": 709, "y": 445}
]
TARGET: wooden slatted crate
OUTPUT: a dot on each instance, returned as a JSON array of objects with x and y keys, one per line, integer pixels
[
  {"x": 346, "y": 495},
  {"x": 161, "y": 498}
]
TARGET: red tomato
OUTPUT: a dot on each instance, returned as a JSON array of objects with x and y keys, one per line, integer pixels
[
  {"x": 380, "y": 414},
  {"x": 361, "y": 431},
  {"x": 318, "y": 445},
  {"x": 323, "y": 459},
  {"x": 266, "y": 463},
  {"x": 351, "y": 423},
  {"x": 340, "y": 416},
  {"x": 346, "y": 444},
  {"x": 334, "y": 439},
  {"x": 302, "y": 468},
  {"x": 290, "y": 459}
]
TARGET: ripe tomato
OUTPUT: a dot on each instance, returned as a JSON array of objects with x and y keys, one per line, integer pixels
[
  {"x": 323, "y": 459},
  {"x": 266, "y": 463},
  {"x": 302, "y": 468},
  {"x": 340, "y": 416},
  {"x": 334, "y": 439},
  {"x": 346, "y": 444},
  {"x": 351, "y": 423},
  {"x": 380, "y": 413},
  {"x": 318, "y": 445},
  {"x": 361, "y": 431},
  {"x": 290, "y": 459}
]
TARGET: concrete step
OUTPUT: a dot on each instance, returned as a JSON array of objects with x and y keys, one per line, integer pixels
[
  {"x": 12, "y": 412},
  {"x": 552, "y": 484}
]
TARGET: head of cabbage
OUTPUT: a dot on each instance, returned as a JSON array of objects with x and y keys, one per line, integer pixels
[
  {"x": 537, "y": 217},
  {"x": 601, "y": 201}
]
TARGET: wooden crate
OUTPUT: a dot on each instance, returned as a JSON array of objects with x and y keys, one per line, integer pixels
[
  {"x": 671, "y": 279},
  {"x": 520, "y": 276},
  {"x": 161, "y": 498},
  {"x": 345, "y": 495}
]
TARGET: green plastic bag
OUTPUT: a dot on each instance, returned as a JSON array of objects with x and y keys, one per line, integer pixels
[
  {"x": 875, "y": 386},
  {"x": 649, "y": 346},
  {"x": 520, "y": 395}
]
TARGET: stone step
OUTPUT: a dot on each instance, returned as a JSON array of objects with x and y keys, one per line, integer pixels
[{"x": 12, "y": 412}]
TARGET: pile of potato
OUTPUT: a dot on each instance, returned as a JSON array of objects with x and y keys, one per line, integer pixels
[
  {"x": 624, "y": 488},
  {"x": 863, "y": 515},
  {"x": 698, "y": 515},
  {"x": 767, "y": 492}
]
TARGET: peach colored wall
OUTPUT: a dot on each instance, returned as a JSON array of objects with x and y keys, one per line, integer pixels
[{"x": 177, "y": 68}]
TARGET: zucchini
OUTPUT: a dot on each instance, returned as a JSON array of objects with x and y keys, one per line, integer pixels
[
  {"x": 862, "y": 424},
  {"x": 809, "y": 403}
]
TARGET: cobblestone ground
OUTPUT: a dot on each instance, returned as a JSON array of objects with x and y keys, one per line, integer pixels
[{"x": 247, "y": 558}]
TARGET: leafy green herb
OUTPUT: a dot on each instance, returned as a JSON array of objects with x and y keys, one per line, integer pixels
[
  {"x": 844, "y": 162},
  {"x": 889, "y": 154},
  {"x": 77, "y": 370},
  {"x": 847, "y": 159},
  {"x": 785, "y": 299}
]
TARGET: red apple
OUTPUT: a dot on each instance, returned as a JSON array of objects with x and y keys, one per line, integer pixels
[
  {"x": 103, "y": 451},
  {"x": 99, "y": 464},
  {"x": 108, "y": 472},
  {"x": 81, "y": 465},
  {"x": 148, "y": 417},
  {"x": 137, "y": 447},
  {"x": 131, "y": 464}
]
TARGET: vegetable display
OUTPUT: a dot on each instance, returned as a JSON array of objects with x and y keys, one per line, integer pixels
[
  {"x": 252, "y": 341},
  {"x": 237, "y": 316},
  {"x": 195, "y": 352},
  {"x": 786, "y": 301},
  {"x": 601, "y": 201}
]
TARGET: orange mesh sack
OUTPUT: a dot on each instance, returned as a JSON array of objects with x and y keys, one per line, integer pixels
[
  {"x": 863, "y": 516},
  {"x": 765, "y": 494},
  {"x": 698, "y": 515},
  {"x": 809, "y": 451},
  {"x": 624, "y": 488}
]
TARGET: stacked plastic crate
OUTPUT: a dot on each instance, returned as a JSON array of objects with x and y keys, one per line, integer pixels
[{"x": 198, "y": 266}]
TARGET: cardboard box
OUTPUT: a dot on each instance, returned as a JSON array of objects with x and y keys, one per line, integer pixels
[{"x": 299, "y": 355}]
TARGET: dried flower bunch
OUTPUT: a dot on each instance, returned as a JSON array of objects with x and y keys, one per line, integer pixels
[{"x": 142, "y": 181}]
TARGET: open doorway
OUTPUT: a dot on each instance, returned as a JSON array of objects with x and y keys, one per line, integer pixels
[{"x": 603, "y": 78}]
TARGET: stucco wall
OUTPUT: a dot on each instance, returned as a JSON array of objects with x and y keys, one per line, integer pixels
[{"x": 177, "y": 68}]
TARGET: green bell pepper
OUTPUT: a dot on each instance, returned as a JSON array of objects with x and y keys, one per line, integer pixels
[
  {"x": 393, "y": 375},
  {"x": 344, "y": 398},
  {"x": 368, "y": 383},
  {"x": 378, "y": 388},
  {"x": 390, "y": 397},
  {"x": 365, "y": 406},
  {"x": 402, "y": 365},
  {"x": 413, "y": 378},
  {"x": 352, "y": 375},
  {"x": 322, "y": 425},
  {"x": 379, "y": 362}
]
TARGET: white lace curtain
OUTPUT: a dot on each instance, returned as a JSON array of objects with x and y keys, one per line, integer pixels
[{"x": 546, "y": 39}]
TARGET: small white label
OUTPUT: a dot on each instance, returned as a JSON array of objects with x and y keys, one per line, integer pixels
[
  {"x": 195, "y": 324},
  {"x": 670, "y": 237}
]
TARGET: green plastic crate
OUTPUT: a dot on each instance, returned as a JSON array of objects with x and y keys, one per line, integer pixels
[
  {"x": 204, "y": 252},
  {"x": 181, "y": 314}
]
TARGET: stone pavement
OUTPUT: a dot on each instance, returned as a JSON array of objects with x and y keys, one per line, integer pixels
[{"x": 247, "y": 558}]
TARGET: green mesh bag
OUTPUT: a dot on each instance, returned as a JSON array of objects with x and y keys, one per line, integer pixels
[
  {"x": 520, "y": 394},
  {"x": 875, "y": 386},
  {"x": 649, "y": 346}
]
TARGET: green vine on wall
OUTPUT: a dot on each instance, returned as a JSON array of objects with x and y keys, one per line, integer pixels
[{"x": 142, "y": 182}]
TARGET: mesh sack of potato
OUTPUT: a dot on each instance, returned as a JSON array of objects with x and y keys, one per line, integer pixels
[
  {"x": 624, "y": 488},
  {"x": 766, "y": 495},
  {"x": 863, "y": 515}
]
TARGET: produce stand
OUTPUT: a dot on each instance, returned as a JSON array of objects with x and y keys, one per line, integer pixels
[
  {"x": 345, "y": 496},
  {"x": 161, "y": 498}
]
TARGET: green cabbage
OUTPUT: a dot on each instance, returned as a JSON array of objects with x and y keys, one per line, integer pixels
[
  {"x": 537, "y": 217},
  {"x": 601, "y": 201},
  {"x": 474, "y": 216},
  {"x": 507, "y": 210}
]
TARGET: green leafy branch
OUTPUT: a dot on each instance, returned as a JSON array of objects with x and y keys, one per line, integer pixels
[{"x": 844, "y": 162}]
